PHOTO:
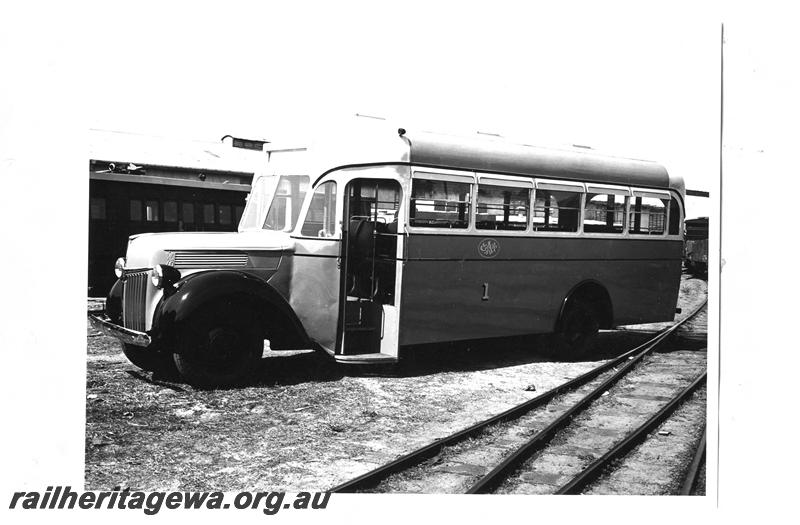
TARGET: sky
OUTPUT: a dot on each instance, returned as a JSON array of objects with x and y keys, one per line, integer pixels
[{"x": 636, "y": 82}]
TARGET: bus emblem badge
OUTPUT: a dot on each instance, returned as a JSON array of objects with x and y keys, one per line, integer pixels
[{"x": 488, "y": 248}]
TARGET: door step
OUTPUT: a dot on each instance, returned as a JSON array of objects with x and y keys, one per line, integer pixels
[{"x": 365, "y": 359}]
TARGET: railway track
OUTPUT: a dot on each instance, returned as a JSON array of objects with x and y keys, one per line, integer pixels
[{"x": 564, "y": 440}]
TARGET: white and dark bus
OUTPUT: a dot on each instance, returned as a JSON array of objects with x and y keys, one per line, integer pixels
[{"x": 363, "y": 246}]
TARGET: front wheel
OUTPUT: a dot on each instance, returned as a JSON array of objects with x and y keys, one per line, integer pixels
[
  {"x": 219, "y": 349},
  {"x": 577, "y": 331},
  {"x": 150, "y": 359}
]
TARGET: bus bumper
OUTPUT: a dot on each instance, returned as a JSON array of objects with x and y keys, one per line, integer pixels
[{"x": 101, "y": 322}]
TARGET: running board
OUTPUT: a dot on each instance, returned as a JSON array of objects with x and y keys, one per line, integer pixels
[{"x": 366, "y": 359}]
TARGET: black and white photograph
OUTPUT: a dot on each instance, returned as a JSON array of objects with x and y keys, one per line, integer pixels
[{"x": 319, "y": 261}]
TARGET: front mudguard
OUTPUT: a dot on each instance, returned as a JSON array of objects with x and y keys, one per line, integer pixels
[
  {"x": 114, "y": 303},
  {"x": 223, "y": 289}
]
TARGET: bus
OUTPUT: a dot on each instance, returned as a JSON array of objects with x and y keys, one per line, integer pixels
[{"x": 363, "y": 246}]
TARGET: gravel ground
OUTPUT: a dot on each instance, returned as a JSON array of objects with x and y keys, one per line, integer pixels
[
  {"x": 306, "y": 423},
  {"x": 658, "y": 465}
]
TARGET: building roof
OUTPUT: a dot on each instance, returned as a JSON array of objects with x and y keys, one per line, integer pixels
[{"x": 148, "y": 150}]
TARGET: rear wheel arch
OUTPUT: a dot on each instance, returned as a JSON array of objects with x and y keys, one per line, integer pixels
[
  {"x": 593, "y": 295},
  {"x": 584, "y": 310}
]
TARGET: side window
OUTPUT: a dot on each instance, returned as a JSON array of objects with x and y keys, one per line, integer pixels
[
  {"x": 674, "y": 217},
  {"x": 556, "y": 211},
  {"x": 502, "y": 208},
  {"x": 440, "y": 204},
  {"x": 648, "y": 216},
  {"x": 320, "y": 220},
  {"x": 604, "y": 213},
  {"x": 286, "y": 204}
]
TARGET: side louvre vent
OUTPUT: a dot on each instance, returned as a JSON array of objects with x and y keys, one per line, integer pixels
[{"x": 198, "y": 259}]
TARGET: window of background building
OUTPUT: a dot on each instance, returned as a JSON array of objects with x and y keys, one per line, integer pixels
[
  {"x": 136, "y": 210},
  {"x": 187, "y": 212},
  {"x": 225, "y": 214},
  {"x": 97, "y": 208},
  {"x": 208, "y": 213},
  {"x": 170, "y": 211},
  {"x": 151, "y": 211}
]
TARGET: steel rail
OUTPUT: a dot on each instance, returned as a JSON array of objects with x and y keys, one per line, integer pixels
[
  {"x": 690, "y": 479},
  {"x": 595, "y": 468},
  {"x": 376, "y": 476},
  {"x": 494, "y": 477}
]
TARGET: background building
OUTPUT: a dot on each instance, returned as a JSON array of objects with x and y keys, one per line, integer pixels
[{"x": 140, "y": 183}]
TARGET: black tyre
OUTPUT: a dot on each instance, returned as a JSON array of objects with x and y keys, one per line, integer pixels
[
  {"x": 150, "y": 359},
  {"x": 218, "y": 349},
  {"x": 577, "y": 331}
]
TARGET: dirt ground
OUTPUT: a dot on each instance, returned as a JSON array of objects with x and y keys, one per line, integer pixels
[{"x": 306, "y": 423}]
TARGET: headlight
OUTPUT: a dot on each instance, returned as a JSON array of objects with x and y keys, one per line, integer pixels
[
  {"x": 163, "y": 275},
  {"x": 119, "y": 267}
]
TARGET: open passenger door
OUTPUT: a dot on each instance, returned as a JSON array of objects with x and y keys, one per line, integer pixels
[{"x": 371, "y": 255}]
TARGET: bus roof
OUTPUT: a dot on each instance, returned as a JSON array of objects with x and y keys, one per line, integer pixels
[
  {"x": 382, "y": 143},
  {"x": 481, "y": 154}
]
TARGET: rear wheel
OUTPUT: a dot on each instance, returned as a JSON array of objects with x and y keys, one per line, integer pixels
[
  {"x": 220, "y": 348},
  {"x": 577, "y": 330}
]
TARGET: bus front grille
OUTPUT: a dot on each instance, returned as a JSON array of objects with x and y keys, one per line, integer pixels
[{"x": 133, "y": 300}]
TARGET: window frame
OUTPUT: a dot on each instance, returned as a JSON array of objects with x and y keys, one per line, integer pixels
[
  {"x": 559, "y": 185},
  {"x": 463, "y": 177},
  {"x": 476, "y": 178},
  {"x": 504, "y": 181},
  {"x": 651, "y": 194},
  {"x": 674, "y": 196},
  {"x": 337, "y": 222},
  {"x": 607, "y": 189}
]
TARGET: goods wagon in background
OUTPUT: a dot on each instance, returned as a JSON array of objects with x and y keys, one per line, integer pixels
[{"x": 695, "y": 251}]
